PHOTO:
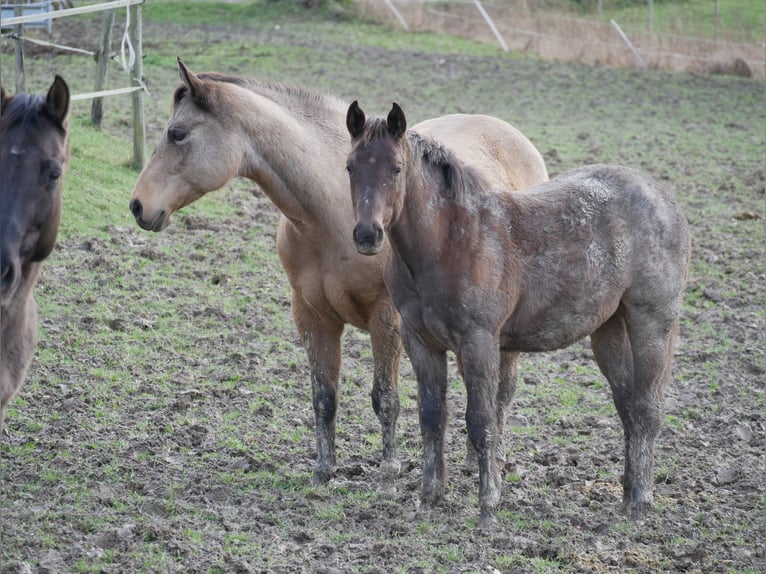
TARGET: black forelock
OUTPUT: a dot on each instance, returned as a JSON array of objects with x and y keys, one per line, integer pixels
[{"x": 20, "y": 109}]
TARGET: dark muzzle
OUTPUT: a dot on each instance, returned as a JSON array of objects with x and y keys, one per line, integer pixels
[{"x": 368, "y": 238}]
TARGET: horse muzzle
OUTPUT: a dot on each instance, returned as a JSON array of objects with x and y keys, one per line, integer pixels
[
  {"x": 157, "y": 223},
  {"x": 368, "y": 239}
]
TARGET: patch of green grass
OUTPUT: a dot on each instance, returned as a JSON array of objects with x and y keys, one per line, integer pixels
[
  {"x": 197, "y": 12},
  {"x": 98, "y": 185},
  {"x": 291, "y": 18},
  {"x": 740, "y": 20}
]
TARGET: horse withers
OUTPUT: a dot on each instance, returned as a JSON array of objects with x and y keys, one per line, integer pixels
[
  {"x": 34, "y": 151},
  {"x": 292, "y": 142},
  {"x": 599, "y": 251}
]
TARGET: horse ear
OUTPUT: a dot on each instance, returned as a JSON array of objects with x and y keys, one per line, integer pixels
[
  {"x": 397, "y": 123},
  {"x": 191, "y": 80},
  {"x": 57, "y": 100},
  {"x": 355, "y": 120}
]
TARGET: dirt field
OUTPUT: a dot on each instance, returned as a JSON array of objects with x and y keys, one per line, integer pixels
[{"x": 166, "y": 425}]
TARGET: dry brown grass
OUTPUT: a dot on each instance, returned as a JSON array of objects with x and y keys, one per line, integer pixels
[{"x": 565, "y": 38}]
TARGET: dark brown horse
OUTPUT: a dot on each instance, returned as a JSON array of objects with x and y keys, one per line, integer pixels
[
  {"x": 293, "y": 143},
  {"x": 34, "y": 151},
  {"x": 599, "y": 251}
]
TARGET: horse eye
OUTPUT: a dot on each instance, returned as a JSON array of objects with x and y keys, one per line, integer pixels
[
  {"x": 397, "y": 169},
  {"x": 176, "y": 135},
  {"x": 349, "y": 169},
  {"x": 52, "y": 170}
]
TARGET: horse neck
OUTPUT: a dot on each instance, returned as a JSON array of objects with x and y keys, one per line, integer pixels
[
  {"x": 18, "y": 305},
  {"x": 296, "y": 155},
  {"x": 418, "y": 230}
]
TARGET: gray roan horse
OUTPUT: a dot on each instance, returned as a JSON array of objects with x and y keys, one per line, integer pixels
[
  {"x": 598, "y": 251},
  {"x": 293, "y": 143},
  {"x": 34, "y": 150}
]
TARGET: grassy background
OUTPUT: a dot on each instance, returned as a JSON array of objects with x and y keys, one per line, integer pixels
[{"x": 739, "y": 20}]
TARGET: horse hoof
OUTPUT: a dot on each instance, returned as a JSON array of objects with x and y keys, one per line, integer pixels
[
  {"x": 425, "y": 511},
  {"x": 389, "y": 469},
  {"x": 321, "y": 477},
  {"x": 471, "y": 462},
  {"x": 487, "y": 520},
  {"x": 637, "y": 510},
  {"x": 431, "y": 496},
  {"x": 387, "y": 489}
]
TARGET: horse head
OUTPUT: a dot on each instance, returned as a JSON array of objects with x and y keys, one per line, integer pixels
[
  {"x": 196, "y": 154},
  {"x": 34, "y": 152},
  {"x": 375, "y": 166}
]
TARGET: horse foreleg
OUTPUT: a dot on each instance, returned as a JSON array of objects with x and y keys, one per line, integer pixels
[
  {"x": 321, "y": 339},
  {"x": 431, "y": 373},
  {"x": 505, "y": 391},
  {"x": 387, "y": 352},
  {"x": 480, "y": 358}
]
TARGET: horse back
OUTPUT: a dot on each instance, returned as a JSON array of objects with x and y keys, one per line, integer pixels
[
  {"x": 591, "y": 240},
  {"x": 501, "y": 154}
]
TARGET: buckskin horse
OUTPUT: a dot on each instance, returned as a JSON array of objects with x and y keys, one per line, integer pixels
[
  {"x": 599, "y": 251},
  {"x": 34, "y": 151},
  {"x": 292, "y": 142}
]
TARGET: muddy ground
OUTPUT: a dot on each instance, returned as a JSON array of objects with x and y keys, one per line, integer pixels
[{"x": 166, "y": 425}]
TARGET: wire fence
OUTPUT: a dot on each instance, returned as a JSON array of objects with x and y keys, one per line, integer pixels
[
  {"x": 555, "y": 36},
  {"x": 18, "y": 14}
]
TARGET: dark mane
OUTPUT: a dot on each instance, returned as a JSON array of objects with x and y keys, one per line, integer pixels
[
  {"x": 21, "y": 110},
  {"x": 460, "y": 180}
]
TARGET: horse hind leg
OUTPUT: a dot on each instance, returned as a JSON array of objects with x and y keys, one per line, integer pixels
[
  {"x": 636, "y": 362},
  {"x": 505, "y": 391},
  {"x": 387, "y": 352},
  {"x": 652, "y": 341},
  {"x": 611, "y": 349}
]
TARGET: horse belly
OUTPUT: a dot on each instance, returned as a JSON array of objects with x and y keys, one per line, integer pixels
[{"x": 556, "y": 328}]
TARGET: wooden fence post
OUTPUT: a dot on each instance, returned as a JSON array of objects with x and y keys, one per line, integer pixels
[
  {"x": 97, "y": 106},
  {"x": 21, "y": 84},
  {"x": 137, "y": 79}
]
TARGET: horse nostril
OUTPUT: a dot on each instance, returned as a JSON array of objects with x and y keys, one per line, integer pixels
[
  {"x": 136, "y": 208},
  {"x": 368, "y": 236},
  {"x": 362, "y": 236}
]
